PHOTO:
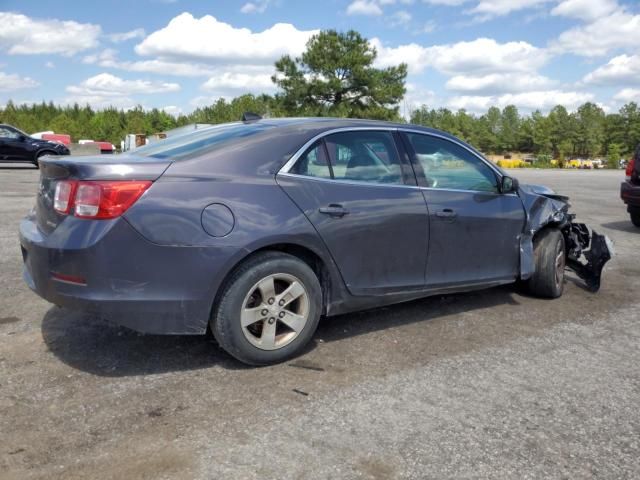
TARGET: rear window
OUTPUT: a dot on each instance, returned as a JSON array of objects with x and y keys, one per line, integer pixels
[{"x": 200, "y": 141}]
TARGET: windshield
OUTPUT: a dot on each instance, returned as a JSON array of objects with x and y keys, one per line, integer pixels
[{"x": 199, "y": 141}]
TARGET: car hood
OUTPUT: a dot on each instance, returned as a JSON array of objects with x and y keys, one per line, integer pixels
[{"x": 45, "y": 143}]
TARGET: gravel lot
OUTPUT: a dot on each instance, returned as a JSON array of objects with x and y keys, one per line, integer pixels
[{"x": 492, "y": 384}]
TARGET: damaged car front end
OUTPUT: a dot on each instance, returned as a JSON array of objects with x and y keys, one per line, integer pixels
[{"x": 587, "y": 251}]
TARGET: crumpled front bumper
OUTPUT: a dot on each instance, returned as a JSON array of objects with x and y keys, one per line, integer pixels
[{"x": 587, "y": 253}]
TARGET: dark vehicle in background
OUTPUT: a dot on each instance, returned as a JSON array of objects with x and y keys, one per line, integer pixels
[
  {"x": 255, "y": 229},
  {"x": 630, "y": 188},
  {"x": 16, "y": 146}
]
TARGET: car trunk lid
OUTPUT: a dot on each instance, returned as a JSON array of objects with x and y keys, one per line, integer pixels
[{"x": 54, "y": 169}]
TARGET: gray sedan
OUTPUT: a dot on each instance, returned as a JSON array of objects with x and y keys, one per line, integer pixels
[{"x": 256, "y": 229}]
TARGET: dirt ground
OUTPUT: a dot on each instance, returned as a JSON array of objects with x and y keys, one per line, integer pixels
[{"x": 492, "y": 384}]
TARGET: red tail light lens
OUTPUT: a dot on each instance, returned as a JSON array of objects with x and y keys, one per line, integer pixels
[
  {"x": 629, "y": 169},
  {"x": 99, "y": 199}
]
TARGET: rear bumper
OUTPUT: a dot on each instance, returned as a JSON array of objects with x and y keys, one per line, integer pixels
[
  {"x": 630, "y": 194},
  {"x": 129, "y": 281}
]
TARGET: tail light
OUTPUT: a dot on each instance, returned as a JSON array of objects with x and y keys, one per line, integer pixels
[
  {"x": 97, "y": 199},
  {"x": 63, "y": 197},
  {"x": 630, "y": 166}
]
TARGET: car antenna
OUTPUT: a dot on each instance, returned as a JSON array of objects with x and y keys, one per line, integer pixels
[{"x": 250, "y": 117}]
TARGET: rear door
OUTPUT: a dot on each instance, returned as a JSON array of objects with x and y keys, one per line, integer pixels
[
  {"x": 356, "y": 190},
  {"x": 474, "y": 230}
]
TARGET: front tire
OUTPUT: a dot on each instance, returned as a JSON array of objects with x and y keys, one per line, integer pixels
[
  {"x": 550, "y": 260},
  {"x": 39, "y": 156},
  {"x": 268, "y": 310}
]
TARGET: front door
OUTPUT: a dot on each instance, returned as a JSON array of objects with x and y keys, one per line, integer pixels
[
  {"x": 474, "y": 229},
  {"x": 11, "y": 146},
  {"x": 353, "y": 188}
]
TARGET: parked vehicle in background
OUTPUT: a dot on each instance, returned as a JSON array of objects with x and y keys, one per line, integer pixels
[
  {"x": 54, "y": 137},
  {"x": 255, "y": 229},
  {"x": 17, "y": 146},
  {"x": 630, "y": 188}
]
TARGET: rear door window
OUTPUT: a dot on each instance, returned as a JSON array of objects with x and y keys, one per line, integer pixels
[
  {"x": 313, "y": 163},
  {"x": 364, "y": 156}
]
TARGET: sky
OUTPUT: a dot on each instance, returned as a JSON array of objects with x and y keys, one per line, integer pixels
[{"x": 177, "y": 55}]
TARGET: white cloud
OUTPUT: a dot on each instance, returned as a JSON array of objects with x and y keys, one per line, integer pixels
[
  {"x": 209, "y": 40},
  {"x": 628, "y": 95},
  {"x": 10, "y": 82},
  {"x": 107, "y": 85},
  {"x": 50, "y": 64},
  {"x": 105, "y": 58},
  {"x": 448, "y": 3},
  {"x": 527, "y": 101},
  {"x": 181, "y": 69},
  {"x": 623, "y": 69},
  {"x": 124, "y": 36},
  {"x": 204, "y": 100},
  {"x": 257, "y": 6},
  {"x": 486, "y": 9},
  {"x": 100, "y": 102},
  {"x": 400, "y": 18},
  {"x": 364, "y": 7},
  {"x": 375, "y": 7},
  {"x": 588, "y": 10},
  {"x": 106, "y": 90},
  {"x": 415, "y": 97},
  {"x": 478, "y": 57},
  {"x": 498, "y": 83},
  {"x": 241, "y": 82},
  {"x": 108, "y": 59},
  {"x": 172, "y": 110},
  {"x": 429, "y": 26},
  {"x": 21, "y": 35},
  {"x": 619, "y": 29}
]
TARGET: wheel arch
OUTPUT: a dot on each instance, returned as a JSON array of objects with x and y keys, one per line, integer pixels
[
  {"x": 302, "y": 252},
  {"x": 527, "y": 242},
  {"x": 44, "y": 151}
]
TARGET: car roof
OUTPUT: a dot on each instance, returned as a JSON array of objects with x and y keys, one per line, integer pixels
[
  {"x": 330, "y": 123},
  {"x": 318, "y": 125}
]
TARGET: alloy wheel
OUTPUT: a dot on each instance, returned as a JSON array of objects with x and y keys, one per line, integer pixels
[{"x": 275, "y": 311}]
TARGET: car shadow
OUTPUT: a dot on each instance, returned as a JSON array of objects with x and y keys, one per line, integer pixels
[
  {"x": 625, "y": 226},
  {"x": 91, "y": 345}
]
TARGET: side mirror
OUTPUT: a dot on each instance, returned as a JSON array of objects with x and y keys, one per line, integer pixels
[
  {"x": 22, "y": 138},
  {"x": 508, "y": 184}
]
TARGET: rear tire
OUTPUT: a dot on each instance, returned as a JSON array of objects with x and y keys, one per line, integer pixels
[
  {"x": 635, "y": 216},
  {"x": 269, "y": 309},
  {"x": 550, "y": 260}
]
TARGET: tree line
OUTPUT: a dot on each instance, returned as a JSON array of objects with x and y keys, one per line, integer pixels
[
  {"x": 335, "y": 76},
  {"x": 588, "y": 132}
]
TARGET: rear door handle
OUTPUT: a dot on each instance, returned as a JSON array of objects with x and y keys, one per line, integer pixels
[
  {"x": 334, "y": 210},
  {"x": 446, "y": 214}
]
